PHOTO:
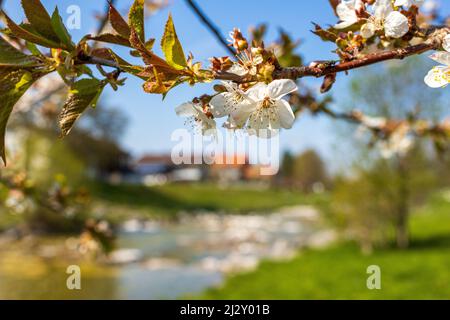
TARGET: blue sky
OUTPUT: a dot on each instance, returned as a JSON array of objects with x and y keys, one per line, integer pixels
[{"x": 153, "y": 120}]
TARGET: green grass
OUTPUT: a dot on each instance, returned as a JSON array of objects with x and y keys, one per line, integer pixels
[
  {"x": 421, "y": 272},
  {"x": 125, "y": 201},
  {"x": 173, "y": 198}
]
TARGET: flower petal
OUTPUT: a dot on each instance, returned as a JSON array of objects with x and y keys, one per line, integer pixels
[
  {"x": 237, "y": 69},
  {"x": 368, "y": 30},
  {"x": 258, "y": 92},
  {"x": 347, "y": 14},
  {"x": 399, "y": 3},
  {"x": 396, "y": 25},
  {"x": 285, "y": 114},
  {"x": 240, "y": 115},
  {"x": 437, "y": 77},
  {"x": 441, "y": 57},
  {"x": 279, "y": 88},
  {"x": 346, "y": 10},
  {"x": 382, "y": 8},
  {"x": 446, "y": 44},
  {"x": 186, "y": 110},
  {"x": 345, "y": 24},
  {"x": 219, "y": 105}
]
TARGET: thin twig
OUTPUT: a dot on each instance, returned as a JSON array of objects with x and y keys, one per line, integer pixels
[
  {"x": 85, "y": 59},
  {"x": 210, "y": 25}
]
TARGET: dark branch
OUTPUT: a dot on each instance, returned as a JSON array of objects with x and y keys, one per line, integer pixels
[
  {"x": 317, "y": 71},
  {"x": 320, "y": 69},
  {"x": 210, "y": 25}
]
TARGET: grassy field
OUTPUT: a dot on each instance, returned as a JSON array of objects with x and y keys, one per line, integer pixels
[
  {"x": 173, "y": 198},
  {"x": 422, "y": 272},
  {"x": 125, "y": 201}
]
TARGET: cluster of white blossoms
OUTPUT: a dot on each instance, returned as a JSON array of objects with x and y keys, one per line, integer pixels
[
  {"x": 260, "y": 110},
  {"x": 383, "y": 16},
  {"x": 399, "y": 143},
  {"x": 439, "y": 76}
]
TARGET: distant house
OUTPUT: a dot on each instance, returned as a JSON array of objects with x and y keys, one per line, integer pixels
[
  {"x": 153, "y": 164},
  {"x": 235, "y": 168},
  {"x": 227, "y": 168},
  {"x": 157, "y": 169}
]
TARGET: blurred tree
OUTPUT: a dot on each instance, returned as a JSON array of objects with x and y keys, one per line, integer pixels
[
  {"x": 372, "y": 206},
  {"x": 287, "y": 166},
  {"x": 306, "y": 172},
  {"x": 310, "y": 171},
  {"x": 404, "y": 97}
]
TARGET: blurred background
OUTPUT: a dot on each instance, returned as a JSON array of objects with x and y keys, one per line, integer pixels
[{"x": 109, "y": 198}]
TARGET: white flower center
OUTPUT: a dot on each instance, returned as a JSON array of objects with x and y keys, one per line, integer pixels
[{"x": 267, "y": 102}]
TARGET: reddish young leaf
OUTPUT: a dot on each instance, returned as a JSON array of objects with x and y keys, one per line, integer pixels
[
  {"x": 148, "y": 57},
  {"x": 112, "y": 38},
  {"x": 118, "y": 23}
]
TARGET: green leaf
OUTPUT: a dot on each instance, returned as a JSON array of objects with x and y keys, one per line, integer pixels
[
  {"x": 10, "y": 56},
  {"x": 149, "y": 44},
  {"x": 82, "y": 95},
  {"x": 13, "y": 84},
  {"x": 136, "y": 18},
  {"x": 39, "y": 19},
  {"x": 33, "y": 49},
  {"x": 61, "y": 30},
  {"x": 118, "y": 23},
  {"x": 23, "y": 32},
  {"x": 172, "y": 48}
]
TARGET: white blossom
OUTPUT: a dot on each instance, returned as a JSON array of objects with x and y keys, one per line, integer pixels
[
  {"x": 373, "y": 122},
  {"x": 439, "y": 76},
  {"x": 195, "y": 112},
  {"x": 226, "y": 103},
  {"x": 408, "y": 3},
  {"x": 399, "y": 143},
  {"x": 346, "y": 11},
  {"x": 248, "y": 63},
  {"x": 268, "y": 112},
  {"x": 394, "y": 24},
  {"x": 446, "y": 43}
]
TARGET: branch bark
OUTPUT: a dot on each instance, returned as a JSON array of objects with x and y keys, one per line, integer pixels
[
  {"x": 322, "y": 68},
  {"x": 317, "y": 71}
]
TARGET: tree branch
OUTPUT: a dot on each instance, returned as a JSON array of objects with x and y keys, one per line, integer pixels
[
  {"x": 318, "y": 71},
  {"x": 210, "y": 25},
  {"x": 322, "y": 68},
  {"x": 84, "y": 59}
]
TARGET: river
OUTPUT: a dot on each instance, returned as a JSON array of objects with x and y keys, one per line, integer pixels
[{"x": 157, "y": 259}]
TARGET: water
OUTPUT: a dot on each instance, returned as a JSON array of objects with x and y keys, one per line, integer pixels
[{"x": 159, "y": 260}]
